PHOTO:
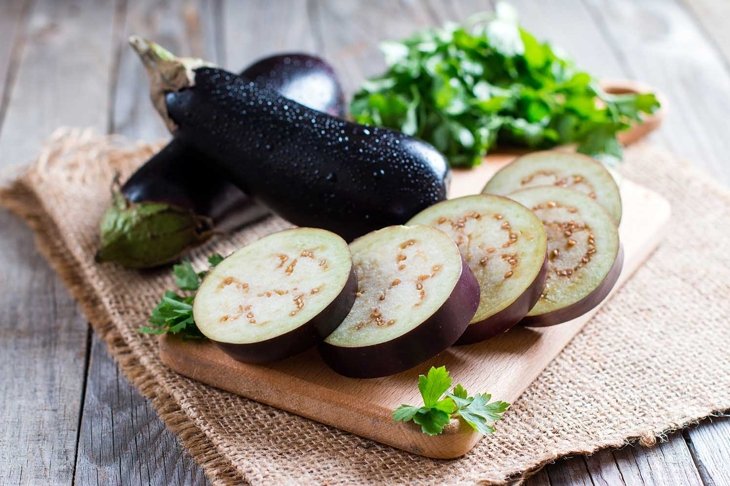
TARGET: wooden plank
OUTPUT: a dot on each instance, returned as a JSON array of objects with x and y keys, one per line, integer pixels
[
  {"x": 603, "y": 469},
  {"x": 505, "y": 365},
  {"x": 571, "y": 472},
  {"x": 712, "y": 17},
  {"x": 63, "y": 76},
  {"x": 42, "y": 357},
  {"x": 44, "y": 342},
  {"x": 12, "y": 20},
  {"x": 122, "y": 440},
  {"x": 660, "y": 44},
  {"x": 666, "y": 463},
  {"x": 540, "y": 478},
  {"x": 709, "y": 444},
  {"x": 350, "y": 31},
  {"x": 260, "y": 28},
  {"x": 178, "y": 26}
]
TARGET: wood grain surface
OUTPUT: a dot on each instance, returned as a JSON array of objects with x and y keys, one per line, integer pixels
[{"x": 681, "y": 46}]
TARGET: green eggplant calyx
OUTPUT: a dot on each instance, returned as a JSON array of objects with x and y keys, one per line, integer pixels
[
  {"x": 149, "y": 234},
  {"x": 166, "y": 71}
]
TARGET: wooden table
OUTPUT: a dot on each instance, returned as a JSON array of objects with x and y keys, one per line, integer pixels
[{"x": 66, "y": 413}]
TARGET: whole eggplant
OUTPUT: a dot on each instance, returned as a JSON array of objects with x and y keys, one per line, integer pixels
[
  {"x": 309, "y": 167},
  {"x": 178, "y": 198}
]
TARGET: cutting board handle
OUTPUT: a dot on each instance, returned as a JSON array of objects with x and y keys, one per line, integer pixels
[{"x": 651, "y": 122}]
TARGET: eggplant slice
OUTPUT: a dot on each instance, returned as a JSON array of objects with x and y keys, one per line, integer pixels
[
  {"x": 416, "y": 296},
  {"x": 584, "y": 253},
  {"x": 277, "y": 296},
  {"x": 505, "y": 246},
  {"x": 560, "y": 169}
]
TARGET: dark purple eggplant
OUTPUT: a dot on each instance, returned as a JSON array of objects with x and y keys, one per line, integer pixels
[
  {"x": 178, "y": 198},
  {"x": 308, "y": 167}
]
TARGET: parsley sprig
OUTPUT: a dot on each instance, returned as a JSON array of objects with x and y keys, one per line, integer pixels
[
  {"x": 174, "y": 313},
  {"x": 467, "y": 88},
  {"x": 439, "y": 406}
]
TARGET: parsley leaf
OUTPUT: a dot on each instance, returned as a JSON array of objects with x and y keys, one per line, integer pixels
[
  {"x": 215, "y": 259},
  {"x": 186, "y": 278},
  {"x": 468, "y": 88},
  {"x": 433, "y": 385},
  {"x": 431, "y": 420},
  {"x": 438, "y": 410},
  {"x": 478, "y": 412},
  {"x": 174, "y": 313}
]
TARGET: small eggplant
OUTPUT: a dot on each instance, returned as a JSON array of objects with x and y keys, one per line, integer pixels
[
  {"x": 308, "y": 167},
  {"x": 178, "y": 198}
]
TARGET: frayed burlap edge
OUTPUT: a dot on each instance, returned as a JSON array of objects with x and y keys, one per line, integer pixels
[{"x": 22, "y": 201}]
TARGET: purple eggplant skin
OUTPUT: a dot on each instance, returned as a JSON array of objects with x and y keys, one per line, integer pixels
[
  {"x": 308, "y": 167},
  {"x": 305, "y": 79},
  {"x": 441, "y": 330},
  {"x": 585, "y": 304},
  {"x": 511, "y": 315},
  {"x": 301, "y": 338},
  {"x": 179, "y": 198}
]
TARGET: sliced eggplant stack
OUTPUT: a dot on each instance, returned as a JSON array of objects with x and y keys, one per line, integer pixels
[
  {"x": 505, "y": 246},
  {"x": 277, "y": 296},
  {"x": 584, "y": 253},
  {"x": 415, "y": 297},
  {"x": 560, "y": 169}
]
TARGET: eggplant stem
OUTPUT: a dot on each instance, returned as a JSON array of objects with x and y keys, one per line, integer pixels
[{"x": 166, "y": 73}]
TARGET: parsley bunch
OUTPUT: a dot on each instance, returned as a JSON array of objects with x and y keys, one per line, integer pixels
[
  {"x": 468, "y": 88},
  {"x": 438, "y": 409},
  {"x": 174, "y": 313}
]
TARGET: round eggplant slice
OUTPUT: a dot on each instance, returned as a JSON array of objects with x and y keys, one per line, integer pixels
[
  {"x": 584, "y": 253},
  {"x": 415, "y": 297},
  {"x": 560, "y": 169},
  {"x": 505, "y": 246},
  {"x": 277, "y": 296}
]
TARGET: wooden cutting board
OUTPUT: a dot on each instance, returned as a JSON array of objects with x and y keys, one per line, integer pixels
[{"x": 504, "y": 366}]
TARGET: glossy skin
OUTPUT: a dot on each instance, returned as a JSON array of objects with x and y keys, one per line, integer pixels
[
  {"x": 186, "y": 178},
  {"x": 310, "y": 168},
  {"x": 432, "y": 336}
]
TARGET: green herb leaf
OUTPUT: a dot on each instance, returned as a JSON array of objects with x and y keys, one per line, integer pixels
[
  {"x": 215, "y": 259},
  {"x": 431, "y": 420},
  {"x": 434, "y": 385},
  {"x": 480, "y": 414},
  {"x": 437, "y": 412},
  {"x": 467, "y": 89},
  {"x": 405, "y": 413},
  {"x": 174, "y": 313},
  {"x": 186, "y": 278}
]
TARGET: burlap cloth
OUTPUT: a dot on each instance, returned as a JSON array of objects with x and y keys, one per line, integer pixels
[{"x": 654, "y": 359}]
